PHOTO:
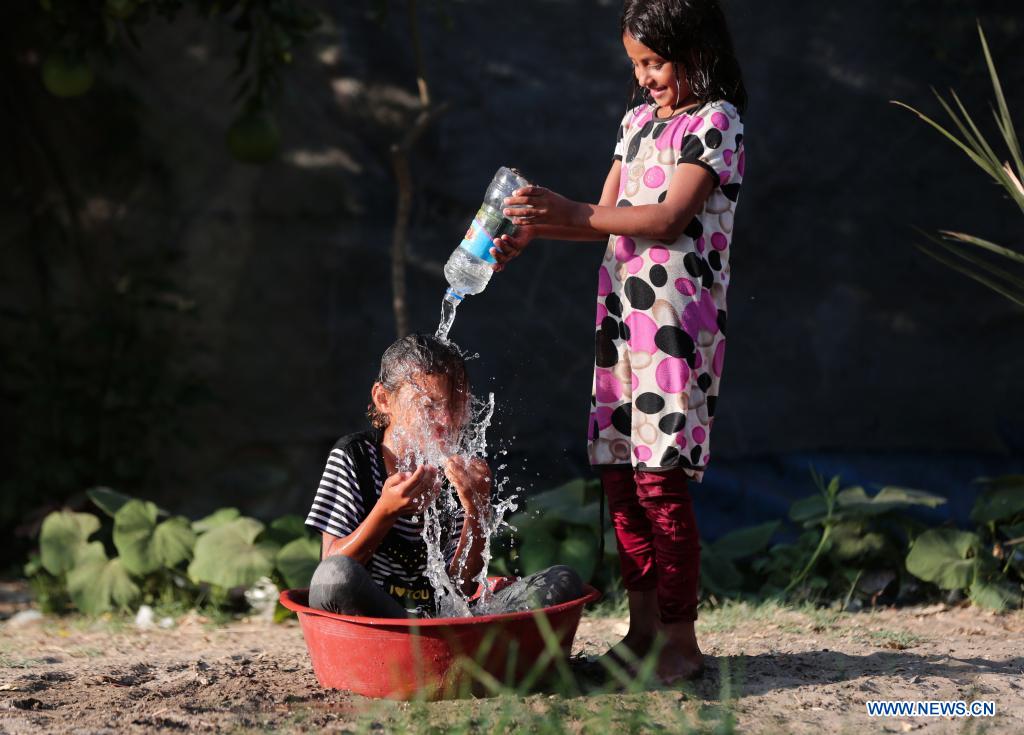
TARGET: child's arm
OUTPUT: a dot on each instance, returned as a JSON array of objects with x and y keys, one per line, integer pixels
[
  {"x": 538, "y": 208},
  {"x": 507, "y": 247},
  {"x": 691, "y": 185},
  {"x": 403, "y": 492},
  {"x": 472, "y": 481}
]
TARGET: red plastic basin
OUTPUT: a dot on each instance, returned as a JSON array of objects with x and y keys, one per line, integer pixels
[{"x": 433, "y": 658}]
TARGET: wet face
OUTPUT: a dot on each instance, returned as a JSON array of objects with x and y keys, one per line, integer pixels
[
  {"x": 657, "y": 75},
  {"x": 426, "y": 413}
]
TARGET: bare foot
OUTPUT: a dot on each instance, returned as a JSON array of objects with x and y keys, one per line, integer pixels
[
  {"x": 628, "y": 652},
  {"x": 681, "y": 659},
  {"x": 675, "y": 667}
]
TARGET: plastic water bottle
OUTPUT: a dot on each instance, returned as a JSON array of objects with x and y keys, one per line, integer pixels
[{"x": 469, "y": 268}]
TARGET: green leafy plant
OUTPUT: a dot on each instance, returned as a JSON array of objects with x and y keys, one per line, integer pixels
[
  {"x": 720, "y": 573},
  {"x": 986, "y": 563},
  {"x": 561, "y": 526},
  {"x": 850, "y": 539},
  {"x": 965, "y": 253},
  {"x": 141, "y": 554}
]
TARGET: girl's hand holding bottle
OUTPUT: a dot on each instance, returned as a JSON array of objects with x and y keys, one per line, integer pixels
[
  {"x": 508, "y": 246},
  {"x": 535, "y": 205}
]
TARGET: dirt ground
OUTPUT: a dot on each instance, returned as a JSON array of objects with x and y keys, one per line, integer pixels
[{"x": 776, "y": 670}]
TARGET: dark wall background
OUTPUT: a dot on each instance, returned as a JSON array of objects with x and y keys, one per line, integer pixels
[{"x": 849, "y": 349}]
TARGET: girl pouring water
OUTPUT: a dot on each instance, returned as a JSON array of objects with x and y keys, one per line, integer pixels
[{"x": 666, "y": 213}]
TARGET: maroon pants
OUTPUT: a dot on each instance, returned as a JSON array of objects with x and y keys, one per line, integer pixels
[{"x": 656, "y": 530}]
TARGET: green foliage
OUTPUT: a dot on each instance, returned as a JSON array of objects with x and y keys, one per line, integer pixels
[
  {"x": 218, "y": 518},
  {"x": 97, "y": 584},
  {"x": 945, "y": 556},
  {"x": 269, "y": 30},
  {"x": 230, "y": 555},
  {"x": 297, "y": 560},
  {"x": 1002, "y": 499},
  {"x": 719, "y": 573},
  {"x": 850, "y": 545},
  {"x": 970, "y": 561},
  {"x": 956, "y": 560},
  {"x": 107, "y": 500},
  {"x": 67, "y": 74},
  {"x": 224, "y": 551},
  {"x": 965, "y": 253},
  {"x": 560, "y": 526},
  {"x": 62, "y": 536}
]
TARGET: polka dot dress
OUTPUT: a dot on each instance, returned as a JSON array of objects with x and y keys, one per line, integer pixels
[{"x": 661, "y": 308}]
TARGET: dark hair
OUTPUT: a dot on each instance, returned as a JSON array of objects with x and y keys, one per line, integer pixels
[
  {"x": 694, "y": 34},
  {"x": 417, "y": 354}
]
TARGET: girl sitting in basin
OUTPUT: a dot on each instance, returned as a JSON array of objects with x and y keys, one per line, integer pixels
[{"x": 371, "y": 500}]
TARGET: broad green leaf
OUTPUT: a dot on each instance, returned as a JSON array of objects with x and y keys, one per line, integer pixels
[
  {"x": 107, "y": 500},
  {"x": 1013, "y": 532},
  {"x": 538, "y": 551},
  {"x": 173, "y": 541},
  {"x": 745, "y": 541},
  {"x": 944, "y": 556},
  {"x": 134, "y": 524},
  {"x": 718, "y": 574},
  {"x": 850, "y": 541},
  {"x": 906, "y": 496},
  {"x": 995, "y": 595},
  {"x": 854, "y": 502},
  {"x": 218, "y": 518},
  {"x": 566, "y": 503},
  {"x": 62, "y": 535},
  {"x": 579, "y": 551},
  {"x": 98, "y": 584},
  {"x": 1003, "y": 499},
  {"x": 286, "y": 529},
  {"x": 229, "y": 555},
  {"x": 298, "y": 560},
  {"x": 809, "y": 509}
]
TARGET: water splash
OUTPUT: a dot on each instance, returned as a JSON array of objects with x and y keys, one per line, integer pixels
[
  {"x": 443, "y": 517},
  {"x": 449, "y": 305}
]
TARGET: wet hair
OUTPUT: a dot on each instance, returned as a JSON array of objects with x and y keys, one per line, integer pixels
[
  {"x": 692, "y": 34},
  {"x": 417, "y": 354}
]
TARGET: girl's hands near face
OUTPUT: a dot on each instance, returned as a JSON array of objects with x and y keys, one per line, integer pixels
[
  {"x": 535, "y": 205},
  {"x": 507, "y": 247},
  {"x": 405, "y": 493},
  {"x": 472, "y": 480}
]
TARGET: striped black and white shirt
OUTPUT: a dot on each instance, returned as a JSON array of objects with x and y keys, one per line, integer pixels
[{"x": 353, "y": 477}]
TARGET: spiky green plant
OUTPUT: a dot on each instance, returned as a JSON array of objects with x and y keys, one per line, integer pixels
[{"x": 958, "y": 250}]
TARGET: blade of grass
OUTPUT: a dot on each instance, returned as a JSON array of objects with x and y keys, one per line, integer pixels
[
  {"x": 1007, "y": 128},
  {"x": 985, "y": 244},
  {"x": 981, "y": 163},
  {"x": 984, "y": 280}
]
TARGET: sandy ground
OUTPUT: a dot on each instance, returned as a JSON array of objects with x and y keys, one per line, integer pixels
[{"x": 788, "y": 671}]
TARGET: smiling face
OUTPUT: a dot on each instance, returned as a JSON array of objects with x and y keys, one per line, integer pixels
[
  {"x": 426, "y": 415},
  {"x": 657, "y": 75}
]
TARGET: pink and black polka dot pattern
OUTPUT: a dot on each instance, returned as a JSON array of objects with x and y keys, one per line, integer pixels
[{"x": 661, "y": 306}]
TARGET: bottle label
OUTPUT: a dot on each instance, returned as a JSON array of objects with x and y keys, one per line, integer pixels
[{"x": 478, "y": 241}]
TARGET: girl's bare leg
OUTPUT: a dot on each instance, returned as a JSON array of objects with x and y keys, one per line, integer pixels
[
  {"x": 643, "y": 629},
  {"x": 680, "y": 658}
]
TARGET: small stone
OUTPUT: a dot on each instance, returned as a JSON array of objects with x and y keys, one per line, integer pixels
[
  {"x": 144, "y": 618},
  {"x": 24, "y": 618}
]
